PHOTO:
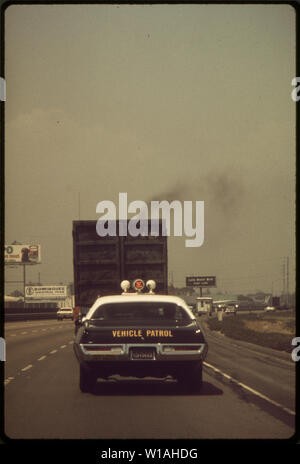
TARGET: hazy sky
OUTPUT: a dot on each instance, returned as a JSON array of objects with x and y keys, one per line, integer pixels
[{"x": 172, "y": 102}]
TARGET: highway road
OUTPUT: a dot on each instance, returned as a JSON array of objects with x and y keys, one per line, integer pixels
[{"x": 248, "y": 392}]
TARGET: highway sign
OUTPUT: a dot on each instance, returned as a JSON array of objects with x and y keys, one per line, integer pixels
[{"x": 201, "y": 281}]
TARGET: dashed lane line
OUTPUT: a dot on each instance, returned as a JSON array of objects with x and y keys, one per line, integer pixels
[
  {"x": 8, "y": 380},
  {"x": 36, "y": 330},
  {"x": 26, "y": 368},
  {"x": 251, "y": 390}
]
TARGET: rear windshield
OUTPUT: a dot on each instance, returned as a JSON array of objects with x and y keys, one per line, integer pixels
[{"x": 154, "y": 312}]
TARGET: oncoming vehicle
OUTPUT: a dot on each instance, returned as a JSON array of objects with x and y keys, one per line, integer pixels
[
  {"x": 231, "y": 309},
  {"x": 270, "y": 309},
  {"x": 140, "y": 335},
  {"x": 64, "y": 313}
]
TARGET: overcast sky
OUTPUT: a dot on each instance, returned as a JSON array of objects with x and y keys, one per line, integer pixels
[{"x": 170, "y": 102}]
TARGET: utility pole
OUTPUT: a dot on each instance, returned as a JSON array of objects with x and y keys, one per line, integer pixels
[
  {"x": 287, "y": 281},
  {"x": 283, "y": 281},
  {"x": 24, "y": 283}
]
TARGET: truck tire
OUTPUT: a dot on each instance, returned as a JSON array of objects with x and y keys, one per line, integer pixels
[
  {"x": 192, "y": 379},
  {"x": 87, "y": 380}
]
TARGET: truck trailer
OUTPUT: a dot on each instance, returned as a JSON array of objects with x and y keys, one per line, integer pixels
[{"x": 101, "y": 263}]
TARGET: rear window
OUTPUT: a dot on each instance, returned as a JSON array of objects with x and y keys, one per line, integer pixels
[{"x": 154, "y": 312}]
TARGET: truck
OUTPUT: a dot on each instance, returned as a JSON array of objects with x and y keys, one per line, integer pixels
[
  {"x": 204, "y": 305},
  {"x": 101, "y": 263}
]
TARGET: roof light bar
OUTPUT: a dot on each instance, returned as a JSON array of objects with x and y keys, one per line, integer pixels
[
  {"x": 138, "y": 285},
  {"x": 151, "y": 285},
  {"x": 125, "y": 285}
]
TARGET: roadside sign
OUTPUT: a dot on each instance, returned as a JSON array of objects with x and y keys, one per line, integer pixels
[
  {"x": 46, "y": 292},
  {"x": 22, "y": 254},
  {"x": 201, "y": 281}
]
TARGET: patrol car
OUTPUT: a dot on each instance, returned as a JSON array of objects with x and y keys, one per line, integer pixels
[{"x": 138, "y": 334}]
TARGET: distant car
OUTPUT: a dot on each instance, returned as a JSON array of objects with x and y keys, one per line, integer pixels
[
  {"x": 140, "y": 335},
  {"x": 64, "y": 313},
  {"x": 270, "y": 308},
  {"x": 231, "y": 309}
]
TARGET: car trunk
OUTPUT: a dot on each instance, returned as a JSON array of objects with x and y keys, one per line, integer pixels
[{"x": 147, "y": 333}]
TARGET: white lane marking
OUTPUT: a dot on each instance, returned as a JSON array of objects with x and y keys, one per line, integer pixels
[
  {"x": 23, "y": 333},
  {"x": 26, "y": 368},
  {"x": 9, "y": 379},
  {"x": 255, "y": 392},
  {"x": 13, "y": 335}
]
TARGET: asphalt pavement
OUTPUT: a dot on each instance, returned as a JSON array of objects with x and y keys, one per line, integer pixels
[{"x": 42, "y": 398}]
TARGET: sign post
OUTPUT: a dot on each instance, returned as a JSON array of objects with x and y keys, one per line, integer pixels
[{"x": 24, "y": 284}]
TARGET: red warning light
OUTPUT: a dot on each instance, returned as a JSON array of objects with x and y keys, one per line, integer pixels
[{"x": 139, "y": 284}]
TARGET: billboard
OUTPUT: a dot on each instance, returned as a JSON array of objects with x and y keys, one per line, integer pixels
[
  {"x": 22, "y": 254},
  {"x": 201, "y": 281},
  {"x": 46, "y": 292}
]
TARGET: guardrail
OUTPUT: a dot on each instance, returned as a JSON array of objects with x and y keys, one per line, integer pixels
[{"x": 23, "y": 314}]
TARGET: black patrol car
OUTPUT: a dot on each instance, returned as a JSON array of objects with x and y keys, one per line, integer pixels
[{"x": 140, "y": 335}]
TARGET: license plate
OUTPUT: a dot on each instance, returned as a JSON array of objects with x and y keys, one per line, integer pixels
[{"x": 142, "y": 354}]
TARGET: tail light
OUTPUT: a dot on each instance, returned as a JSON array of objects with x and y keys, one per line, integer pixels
[
  {"x": 103, "y": 348},
  {"x": 172, "y": 348}
]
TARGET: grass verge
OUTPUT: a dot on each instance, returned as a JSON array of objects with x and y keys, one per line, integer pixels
[{"x": 236, "y": 327}]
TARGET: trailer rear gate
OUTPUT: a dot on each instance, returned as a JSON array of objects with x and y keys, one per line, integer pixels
[{"x": 101, "y": 263}]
